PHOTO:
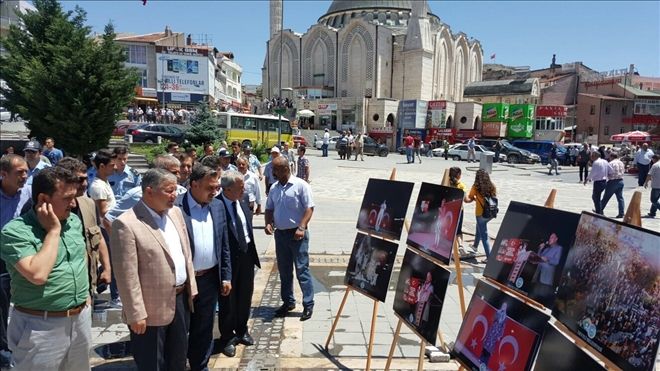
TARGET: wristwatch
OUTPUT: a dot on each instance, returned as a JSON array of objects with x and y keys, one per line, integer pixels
[{"x": 301, "y": 229}]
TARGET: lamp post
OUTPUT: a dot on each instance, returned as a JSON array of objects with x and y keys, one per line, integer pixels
[{"x": 162, "y": 60}]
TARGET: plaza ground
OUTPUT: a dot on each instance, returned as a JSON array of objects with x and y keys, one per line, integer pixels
[{"x": 338, "y": 187}]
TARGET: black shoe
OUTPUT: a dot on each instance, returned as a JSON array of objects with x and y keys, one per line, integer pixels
[
  {"x": 230, "y": 349},
  {"x": 284, "y": 309},
  {"x": 307, "y": 313},
  {"x": 649, "y": 215},
  {"x": 246, "y": 340},
  {"x": 620, "y": 216}
]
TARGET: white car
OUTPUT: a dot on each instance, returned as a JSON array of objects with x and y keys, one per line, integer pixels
[
  {"x": 460, "y": 152},
  {"x": 331, "y": 146}
]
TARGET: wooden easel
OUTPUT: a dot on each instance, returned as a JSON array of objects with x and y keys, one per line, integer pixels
[
  {"x": 374, "y": 314},
  {"x": 461, "y": 296}
]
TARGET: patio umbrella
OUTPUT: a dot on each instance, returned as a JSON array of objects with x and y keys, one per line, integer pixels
[
  {"x": 305, "y": 113},
  {"x": 631, "y": 136}
]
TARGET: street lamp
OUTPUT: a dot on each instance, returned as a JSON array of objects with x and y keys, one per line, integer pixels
[{"x": 162, "y": 60}]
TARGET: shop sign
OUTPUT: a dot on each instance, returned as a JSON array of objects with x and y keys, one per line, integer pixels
[
  {"x": 494, "y": 129},
  {"x": 180, "y": 97},
  {"x": 494, "y": 112},
  {"x": 381, "y": 130},
  {"x": 326, "y": 109},
  {"x": 551, "y": 111},
  {"x": 174, "y": 50},
  {"x": 436, "y": 116}
]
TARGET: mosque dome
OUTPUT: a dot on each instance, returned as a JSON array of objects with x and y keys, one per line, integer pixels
[{"x": 389, "y": 13}]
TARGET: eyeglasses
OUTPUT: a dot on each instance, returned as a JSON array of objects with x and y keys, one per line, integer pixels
[{"x": 82, "y": 179}]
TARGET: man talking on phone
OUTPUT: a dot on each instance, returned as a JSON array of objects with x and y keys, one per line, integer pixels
[{"x": 45, "y": 253}]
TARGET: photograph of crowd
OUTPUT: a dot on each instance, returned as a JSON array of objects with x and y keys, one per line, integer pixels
[
  {"x": 609, "y": 293},
  {"x": 557, "y": 352},
  {"x": 384, "y": 207},
  {"x": 435, "y": 219},
  {"x": 370, "y": 266},
  {"x": 530, "y": 250},
  {"x": 420, "y": 294},
  {"x": 499, "y": 332}
]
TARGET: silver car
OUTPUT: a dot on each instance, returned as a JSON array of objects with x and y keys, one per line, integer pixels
[
  {"x": 460, "y": 152},
  {"x": 331, "y": 146}
]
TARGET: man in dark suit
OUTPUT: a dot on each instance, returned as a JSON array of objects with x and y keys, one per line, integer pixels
[
  {"x": 206, "y": 222},
  {"x": 235, "y": 308}
]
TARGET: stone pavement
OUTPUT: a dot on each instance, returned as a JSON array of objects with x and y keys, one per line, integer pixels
[{"x": 338, "y": 188}]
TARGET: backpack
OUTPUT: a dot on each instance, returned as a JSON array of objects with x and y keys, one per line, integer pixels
[{"x": 490, "y": 208}]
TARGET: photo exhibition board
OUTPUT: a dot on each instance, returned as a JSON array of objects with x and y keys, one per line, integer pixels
[
  {"x": 384, "y": 208},
  {"x": 499, "y": 332},
  {"x": 609, "y": 291},
  {"x": 435, "y": 220},
  {"x": 370, "y": 266},
  {"x": 530, "y": 250},
  {"x": 558, "y": 353},
  {"x": 420, "y": 294}
]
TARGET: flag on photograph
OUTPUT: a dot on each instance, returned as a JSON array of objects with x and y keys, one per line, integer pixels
[
  {"x": 492, "y": 56},
  {"x": 144, "y": 2}
]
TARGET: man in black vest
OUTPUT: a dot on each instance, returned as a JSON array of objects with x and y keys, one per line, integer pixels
[
  {"x": 235, "y": 308},
  {"x": 206, "y": 222}
]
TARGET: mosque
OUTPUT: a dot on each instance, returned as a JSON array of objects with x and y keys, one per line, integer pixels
[{"x": 354, "y": 66}]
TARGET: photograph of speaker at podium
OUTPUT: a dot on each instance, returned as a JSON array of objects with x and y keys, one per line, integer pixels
[
  {"x": 370, "y": 266},
  {"x": 530, "y": 250},
  {"x": 384, "y": 208},
  {"x": 609, "y": 292},
  {"x": 420, "y": 295},
  {"x": 557, "y": 353},
  {"x": 499, "y": 332},
  {"x": 435, "y": 220}
]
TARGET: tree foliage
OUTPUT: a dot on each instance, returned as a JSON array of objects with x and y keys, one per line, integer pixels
[
  {"x": 67, "y": 84},
  {"x": 204, "y": 128}
]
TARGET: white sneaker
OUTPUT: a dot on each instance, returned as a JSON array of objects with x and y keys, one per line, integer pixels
[{"x": 115, "y": 303}]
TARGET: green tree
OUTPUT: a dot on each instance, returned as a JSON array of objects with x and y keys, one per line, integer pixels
[
  {"x": 67, "y": 84},
  {"x": 204, "y": 128}
]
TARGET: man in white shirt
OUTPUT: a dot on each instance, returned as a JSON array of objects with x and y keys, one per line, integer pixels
[
  {"x": 614, "y": 185},
  {"x": 598, "y": 176},
  {"x": 101, "y": 191},
  {"x": 326, "y": 143},
  {"x": 643, "y": 160},
  {"x": 252, "y": 188},
  {"x": 654, "y": 179}
]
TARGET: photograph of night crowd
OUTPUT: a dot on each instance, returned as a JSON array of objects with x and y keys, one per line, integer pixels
[
  {"x": 530, "y": 250},
  {"x": 370, "y": 266},
  {"x": 557, "y": 353},
  {"x": 609, "y": 292},
  {"x": 435, "y": 219},
  {"x": 384, "y": 207},
  {"x": 420, "y": 294},
  {"x": 499, "y": 332}
]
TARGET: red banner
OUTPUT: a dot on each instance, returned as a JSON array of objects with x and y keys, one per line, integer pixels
[
  {"x": 642, "y": 119},
  {"x": 551, "y": 111},
  {"x": 437, "y": 104}
]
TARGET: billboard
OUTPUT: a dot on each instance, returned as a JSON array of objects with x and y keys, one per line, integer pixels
[
  {"x": 412, "y": 114},
  {"x": 184, "y": 70},
  {"x": 551, "y": 111},
  {"x": 494, "y": 112},
  {"x": 437, "y": 114},
  {"x": 494, "y": 129},
  {"x": 521, "y": 120}
]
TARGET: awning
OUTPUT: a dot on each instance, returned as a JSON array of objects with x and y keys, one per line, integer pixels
[{"x": 145, "y": 99}]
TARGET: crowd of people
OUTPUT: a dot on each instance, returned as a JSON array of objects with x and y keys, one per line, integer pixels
[
  {"x": 150, "y": 114},
  {"x": 173, "y": 244},
  {"x": 616, "y": 289}
]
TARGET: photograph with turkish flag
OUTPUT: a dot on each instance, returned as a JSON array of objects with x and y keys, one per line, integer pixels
[
  {"x": 499, "y": 332},
  {"x": 384, "y": 208},
  {"x": 609, "y": 293},
  {"x": 435, "y": 220},
  {"x": 420, "y": 295},
  {"x": 530, "y": 250}
]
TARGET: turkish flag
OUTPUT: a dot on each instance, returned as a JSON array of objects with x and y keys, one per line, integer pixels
[
  {"x": 510, "y": 348},
  {"x": 492, "y": 56}
]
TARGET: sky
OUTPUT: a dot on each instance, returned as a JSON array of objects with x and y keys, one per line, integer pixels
[{"x": 604, "y": 35}]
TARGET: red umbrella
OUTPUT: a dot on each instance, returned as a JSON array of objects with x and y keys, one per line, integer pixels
[{"x": 631, "y": 136}]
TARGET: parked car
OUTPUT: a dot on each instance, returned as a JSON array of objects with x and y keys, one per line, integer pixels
[
  {"x": 5, "y": 115},
  {"x": 514, "y": 155},
  {"x": 149, "y": 133},
  {"x": 542, "y": 148},
  {"x": 120, "y": 129},
  {"x": 331, "y": 146},
  {"x": 371, "y": 147},
  {"x": 298, "y": 140},
  {"x": 460, "y": 152}
]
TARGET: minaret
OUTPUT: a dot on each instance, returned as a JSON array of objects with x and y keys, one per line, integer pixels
[
  {"x": 275, "y": 17},
  {"x": 418, "y": 54}
]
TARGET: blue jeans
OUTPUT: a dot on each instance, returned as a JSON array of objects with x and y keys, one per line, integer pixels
[
  {"x": 324, "y": 148},
  {"x": 655, "y": 204},
  {"x": 291, "y": 253},
  {"x": 410, "y": 156},
  {"x": 613, "y": 187},
  {"x": 482, "y": 234},
  {"x": 599, "y": 187},
  {"x": 643, "y": 171}
]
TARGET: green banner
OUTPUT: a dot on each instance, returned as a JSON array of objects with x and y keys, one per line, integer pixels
[
  {"x": 494, "y": 112},
  {"x": 521, "y": 120}
]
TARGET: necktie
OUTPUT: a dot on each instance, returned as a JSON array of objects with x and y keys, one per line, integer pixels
[{"x": 240, "y": 233}]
